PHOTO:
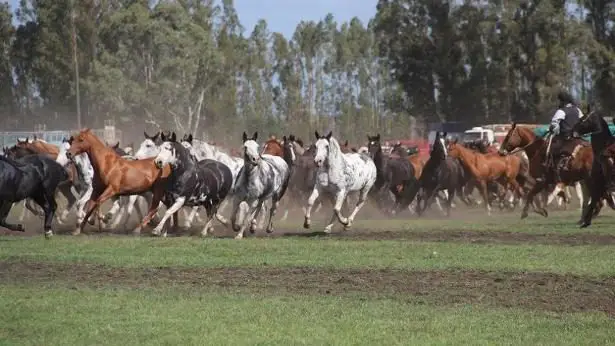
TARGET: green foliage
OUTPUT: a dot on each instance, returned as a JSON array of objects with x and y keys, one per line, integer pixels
[{"x": 190, "y": 66}]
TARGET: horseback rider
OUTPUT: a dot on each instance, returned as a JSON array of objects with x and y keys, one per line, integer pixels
[{"x": 562, "y": 123}]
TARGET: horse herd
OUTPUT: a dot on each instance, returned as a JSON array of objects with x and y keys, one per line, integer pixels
[{"x": 198, "y": 175}]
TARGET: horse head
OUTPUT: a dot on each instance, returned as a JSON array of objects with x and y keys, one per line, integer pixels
[
  {"x": 81, "y": 143},
  {"x": 250, "y": 149},
  {"x": 288, "y": 148},
  {"x": 170, "y": 152},
  {"x": 373, "y": 145},
  {"x": 322, "y": 148}
]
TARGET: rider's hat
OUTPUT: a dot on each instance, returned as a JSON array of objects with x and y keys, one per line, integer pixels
[{"x": 565, "y": 97}]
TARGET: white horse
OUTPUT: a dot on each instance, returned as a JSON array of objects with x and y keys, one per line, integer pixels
[
  {"x": 85, "y": 172},
  {"x": 262, "y": 177},
  {"x": 338, "y": 174}
]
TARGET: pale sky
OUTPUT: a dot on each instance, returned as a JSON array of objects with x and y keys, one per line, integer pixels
[{"x": 284, "y": 15}]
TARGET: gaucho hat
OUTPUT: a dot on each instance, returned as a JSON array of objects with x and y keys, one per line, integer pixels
[{"x": 565, "y": 97}]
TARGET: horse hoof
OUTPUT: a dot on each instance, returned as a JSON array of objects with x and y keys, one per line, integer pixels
[
  {"x": 268, "y": 230},
  {"x": 523, "y": 215},
  {"x": 91, "y": 222},
  {"x": 306, "y": 225},
  {"x": 76, "y": 232},
  {"x": 239, "y": 236},
  {"x": 327, "y": 230},
  {"x": 136, "y": 231},
  {"x": 48, "y": 234},
  {"x": 20, "y": 228},
  {"x": 585, "y": 225}
]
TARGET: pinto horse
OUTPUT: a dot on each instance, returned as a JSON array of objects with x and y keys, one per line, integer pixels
[
  {"x": 485, "y": 168},
  {"x": 523, "y": 138},
  {"x": 115, "y": 176}
]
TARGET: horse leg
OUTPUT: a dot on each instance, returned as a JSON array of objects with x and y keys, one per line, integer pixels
[
  {"x": 485, "y": 193},
  {"x": 81, "y": 203},
  {"x": 113, "y": 215},
  {"x": 529, "y": 199},
  {"x": 223, "y": 206},
  {"x": 257, "y": 213},
  {"x": 308, "y": 209},
  {"x": 360, "y": 203},
  {"x": 211, "y": 213},
  {"x": 595, "y": 195},
  {"x": 194, "y": 212},
  {"x": 578, "y": 187},
  {"x": 251, "y": 210},
  {"x": 24, "y": 207},
  {"x": 5, "y": 209},
  {"x": 66, "y": 190},
  {"x": 89, "y": 209},
  {"x": 157, "y": 195},
  {"x": 179, "y": 202},
  {"x": 275, "y": 202},
  {"x": 48, "y": 203},
  {"x": 449, "y": 202}
]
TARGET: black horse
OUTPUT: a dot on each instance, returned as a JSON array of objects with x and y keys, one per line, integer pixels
[
  {"x": 34, "y": 176},
  {"x": 205, "y": 183},
  {"x": 601, "y": 138},
  {"x": 440, "y": 173},
  {"x": 394, "y": 175}
]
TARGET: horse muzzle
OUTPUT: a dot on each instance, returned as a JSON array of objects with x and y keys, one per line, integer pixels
[
  {"x": 69, "y": 155},
  {"x": 159, "y": 164}
]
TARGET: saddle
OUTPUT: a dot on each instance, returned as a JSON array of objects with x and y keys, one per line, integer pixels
[{"x": 567, "y": 152}]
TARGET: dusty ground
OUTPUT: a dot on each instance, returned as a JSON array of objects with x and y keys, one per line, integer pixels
[
  {"x": 534, "y": 291},
  {"x": 33, "y": 228}
]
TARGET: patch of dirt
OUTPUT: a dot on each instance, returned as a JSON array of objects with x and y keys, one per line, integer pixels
[
  {"x": 459, "y": 236},
  {"x": 532, "y": 291},
  {"x": 480, "y": 237}
]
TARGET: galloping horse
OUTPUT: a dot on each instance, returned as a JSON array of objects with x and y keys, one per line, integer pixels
[
  {"x": 262, "y": 177},
  {"x": 523, "y": 138},
  {"x": 339, "y": 174},
  {"x": 485, "y": 168},
  {"x": 115, "y": 176},
  {"x": 601, "y": 139},
  {"x": 204, "y": 183},
  {"x": 442, "y": 173},
  {"x": 35, "y": 177},
  {"x": 394, "y": 174}
]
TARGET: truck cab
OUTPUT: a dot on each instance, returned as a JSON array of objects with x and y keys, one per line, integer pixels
[{"x": 476, "y": 134}]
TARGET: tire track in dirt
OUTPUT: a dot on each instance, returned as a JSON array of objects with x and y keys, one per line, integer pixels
[{"x": 526, "y": 290}]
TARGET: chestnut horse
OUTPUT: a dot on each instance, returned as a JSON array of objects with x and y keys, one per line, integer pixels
[
  {"x": 485, "y": 168},
  {"x": 523, "y": 138},
  {"x": 115, "y": 176},
  {"x": 417, "y": 162},
  {"x": 40, "y": 146}
]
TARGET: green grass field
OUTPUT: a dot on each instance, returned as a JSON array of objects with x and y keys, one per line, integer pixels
[{"x": 500, "y": 280}]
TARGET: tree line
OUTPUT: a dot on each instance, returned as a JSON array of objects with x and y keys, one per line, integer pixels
[{"x": 191, "y": 66}]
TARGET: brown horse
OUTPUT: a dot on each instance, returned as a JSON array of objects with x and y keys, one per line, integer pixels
[
  {"x": 579, "y": 166},
  {"x": 417, "y": 162},
  {"x": 40, "y": 146},
  {"x": 346, "y": 148},
  {"x": 115, "y": 176},
  {"x": 485, "y": 168}
]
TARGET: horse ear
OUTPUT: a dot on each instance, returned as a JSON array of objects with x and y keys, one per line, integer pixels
[
  {"x": 329, "y": 135},
  {"x": 346, "y": 143},
  {"x": 444, "y": 134},
  {"x": 291, "y": 138},
  {"x": 117, "y": 145},
  {"x": 190, "y": 138},
  {"x": 146, "y": 135},
  {"x": 514, "y": 124},
  {"x": 255, "y": 136},
  {"x": 284, "y": 139},
  {"x": 155, "y": 137},
  {"x": 245, "y": 136},
  {"x": 378, "y": 137},
  {"x": 317, "y": 135}
]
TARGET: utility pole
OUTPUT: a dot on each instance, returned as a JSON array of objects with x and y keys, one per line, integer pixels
[{"x": 75, "y": 62}]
